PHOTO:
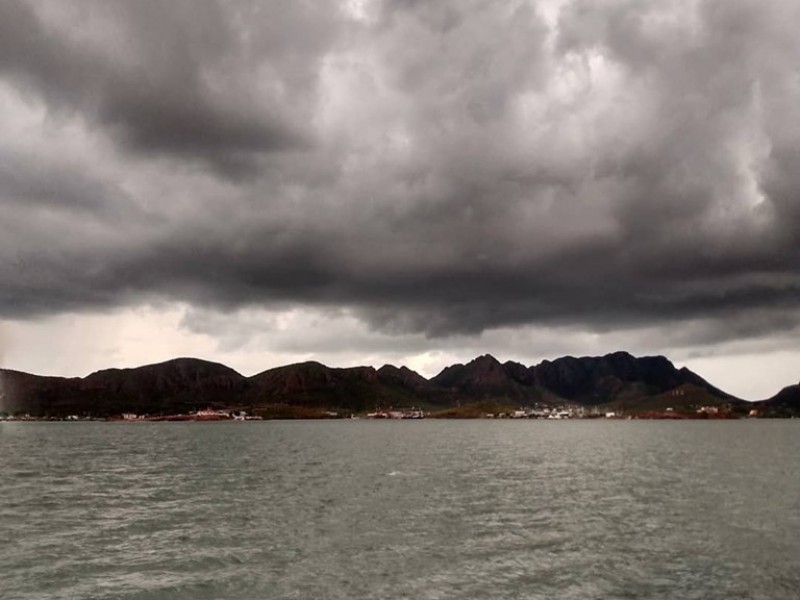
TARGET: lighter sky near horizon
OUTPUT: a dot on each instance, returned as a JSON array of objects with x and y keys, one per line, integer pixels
[{"x": 388, "y": 181}]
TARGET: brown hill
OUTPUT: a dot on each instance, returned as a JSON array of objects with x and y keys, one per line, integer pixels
[
  {"x": 614, "y": 377},
  {"x": 485, "y": 378},
  {"x": 783, "y": 404},
  {"x": 25, "y": 393},
  {"x": 685, "y": 398},
  {"x": 590, "y": 380},
  {"x": 177, "y": 385},
  {"x": 312, "y": 384}
]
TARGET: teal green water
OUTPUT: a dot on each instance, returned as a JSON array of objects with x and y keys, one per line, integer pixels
[{"x": 409, "y": 509}]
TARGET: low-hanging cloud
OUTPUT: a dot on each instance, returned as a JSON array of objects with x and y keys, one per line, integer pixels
[{"x": 434, "y": 168}]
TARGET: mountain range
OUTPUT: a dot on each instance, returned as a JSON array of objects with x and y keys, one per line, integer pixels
[{"x": 617, "y": 381}]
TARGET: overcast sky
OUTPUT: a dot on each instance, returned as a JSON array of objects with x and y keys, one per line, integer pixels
[{"x": 373, "y": 181}]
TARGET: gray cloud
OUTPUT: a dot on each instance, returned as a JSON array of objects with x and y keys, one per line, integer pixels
[
  {"x": 436, "y": 168},
  {"x": 183, "y": 79}
]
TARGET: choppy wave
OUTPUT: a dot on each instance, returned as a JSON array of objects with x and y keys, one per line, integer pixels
[{"x": 428, "y": 510}]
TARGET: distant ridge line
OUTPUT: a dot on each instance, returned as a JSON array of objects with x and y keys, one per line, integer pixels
[{"x": 618, "y": 380}]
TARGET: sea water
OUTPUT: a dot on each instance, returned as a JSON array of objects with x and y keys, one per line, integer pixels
[{"x": 405, "y": 509}]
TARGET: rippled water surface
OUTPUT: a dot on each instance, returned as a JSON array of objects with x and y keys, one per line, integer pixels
[{"x": 423, "y": 509}]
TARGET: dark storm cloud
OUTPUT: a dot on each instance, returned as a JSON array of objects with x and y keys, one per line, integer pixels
[
  {"x": 173, "y": 78},
  {"x": 439, "y": 168}
]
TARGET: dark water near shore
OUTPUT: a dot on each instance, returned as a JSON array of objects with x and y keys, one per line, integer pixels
[{"x": 424, "y": 509}]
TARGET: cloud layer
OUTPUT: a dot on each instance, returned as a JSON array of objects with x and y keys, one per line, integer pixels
[{"x": 431, "y": 168}]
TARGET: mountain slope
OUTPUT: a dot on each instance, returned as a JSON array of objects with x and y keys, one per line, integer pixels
[
  {"x": 312, "y": 384},
  {"x": 25, "y": 393},
  {"x": 618, "y": 376},
  {"x": 784, "y": 403},
  {"x": 485, "y": 378},
  {"x": 177, "y": 385}
]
